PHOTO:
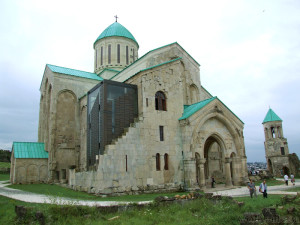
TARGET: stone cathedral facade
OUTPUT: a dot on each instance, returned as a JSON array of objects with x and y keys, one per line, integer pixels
[{"x": 137, "y": 124}]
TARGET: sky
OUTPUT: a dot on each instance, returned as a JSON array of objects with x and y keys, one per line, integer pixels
[{"x": 249, "y": 52}]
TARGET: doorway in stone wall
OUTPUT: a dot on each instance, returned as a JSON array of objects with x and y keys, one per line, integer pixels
[
  {"x": 270, "y": 166},
  {"x": 286, "y": 170},
  {"x": 214, "y": 163}
]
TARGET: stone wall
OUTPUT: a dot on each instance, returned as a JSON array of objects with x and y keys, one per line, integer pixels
[{"x": 29, "y": 171}]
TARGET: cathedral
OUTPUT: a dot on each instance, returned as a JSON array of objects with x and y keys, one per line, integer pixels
[{"x": 135, "y": 124}]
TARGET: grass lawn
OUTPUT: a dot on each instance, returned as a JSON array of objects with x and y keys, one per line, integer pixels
[
  {"x": 4, "y": 176},
  {"x": 55, "y": 190},
  {"x": 200, "y": 211},
  {"x": 270, "y": 182},
  {"x": 4, "y": 164}
]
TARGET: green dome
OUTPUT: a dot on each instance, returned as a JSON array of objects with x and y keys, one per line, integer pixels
[{"x": 116, "y": 29}]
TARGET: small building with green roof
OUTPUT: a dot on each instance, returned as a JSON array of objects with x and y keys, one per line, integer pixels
[{"x": 29, "y": 163}]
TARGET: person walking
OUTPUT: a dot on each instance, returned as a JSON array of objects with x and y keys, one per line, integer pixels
[
  {"x": 292, "y": 179},
  {"x": 252, "y": 188},
  {"x": 286, "y": 179},
  {"x": 263, "y": 189},
  {"x": 213, "y": 182}
]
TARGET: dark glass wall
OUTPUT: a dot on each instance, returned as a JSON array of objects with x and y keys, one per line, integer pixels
[{"x": 112, "y": 106}]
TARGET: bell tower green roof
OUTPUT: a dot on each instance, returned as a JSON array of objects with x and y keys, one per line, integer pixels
[
  {"x": 271, "y": 116},
  {"x": 116, "y": 29}
]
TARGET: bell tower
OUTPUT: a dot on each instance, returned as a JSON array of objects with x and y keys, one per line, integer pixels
[{"x": 276, "y": 146}]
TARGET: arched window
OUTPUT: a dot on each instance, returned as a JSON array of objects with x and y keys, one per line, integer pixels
[
  {"x": 118, "y": 53},
  {"x": 157, "y": 161},
  {"x": 160, "y": 101},
  {"x": 109, "y": 54},
  {"x": 166, "y": 159}
]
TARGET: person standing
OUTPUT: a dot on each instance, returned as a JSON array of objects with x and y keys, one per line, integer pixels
[
  {"x": 213, "y": 182},
  {"x": 252, "y": 188},
  {"x": 286, "y": 179},
  {"x": 263, "y": 189},
  {"x": 293, "y": 179}
]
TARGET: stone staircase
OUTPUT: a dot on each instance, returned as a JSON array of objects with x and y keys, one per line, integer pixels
[{"x": 127, "y": 136}]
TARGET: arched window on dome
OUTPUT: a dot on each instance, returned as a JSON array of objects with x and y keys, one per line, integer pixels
[
  {"x": 118, "y": 53},
  {"x": 109, "y": 54},
  {"x": 160, "y": 101},
  {"x": 127, "y": 55}
]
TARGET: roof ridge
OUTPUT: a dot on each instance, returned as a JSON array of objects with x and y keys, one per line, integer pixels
[{"x": 70, "y": 68}]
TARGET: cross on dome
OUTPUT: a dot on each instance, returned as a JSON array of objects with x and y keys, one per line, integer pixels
[{"x": 116, "y": 18}]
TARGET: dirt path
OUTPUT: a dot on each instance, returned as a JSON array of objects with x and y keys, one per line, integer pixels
[{"x": 38, "y": 198}]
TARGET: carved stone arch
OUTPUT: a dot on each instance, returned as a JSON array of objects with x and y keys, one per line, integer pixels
[
  {"x": 227, "y": 123},
  {"x": 65, "y": 119},
  {"x": 66, "y": 90}
]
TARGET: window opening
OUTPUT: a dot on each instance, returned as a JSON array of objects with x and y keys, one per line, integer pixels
[
  {"x": 96, "y": 58},
  {"x": 101, "y": 56},
  {"x": 126, "y": 163},
  {"x": 147, "y": 102},
  {"x": 109, "y": 54},
  {"x": 160, "y": 101},
  {"x": 282, "y": 151},
  {"x": 127, "y": 56},
  {"x": 161, "y": 133},
  {"x": 118, "y": 53},
  {"x": 273, "y": 132},
  {"x": 157, "y": 162},
  {"x": 166, "y": 167}
]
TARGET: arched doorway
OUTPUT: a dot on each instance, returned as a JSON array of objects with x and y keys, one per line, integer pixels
[
  {"x": 286, "y": 170},
  {"x": 214, "y": 160},
  {"x": 270, "y": 166}
]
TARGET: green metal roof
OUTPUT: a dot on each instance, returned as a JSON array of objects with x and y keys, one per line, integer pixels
[
  {"x": 116, "y": 29},
  {"x": 271, "y": 116},
  {"x": 29, "y": 150},
  {"x": 190, "y": 110},
  {"x": 72, "y": 72}
]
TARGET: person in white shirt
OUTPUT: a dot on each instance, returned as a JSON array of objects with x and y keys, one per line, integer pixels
[
  {"x": 263, "y": 189},
  {"x": 286, "y": 179}
]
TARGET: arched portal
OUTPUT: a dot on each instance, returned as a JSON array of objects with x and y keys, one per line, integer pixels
[
  {"x": 286, "y": 170},
  {"x": 270, "y": 166},
  {"x": 214, "y": 160}
]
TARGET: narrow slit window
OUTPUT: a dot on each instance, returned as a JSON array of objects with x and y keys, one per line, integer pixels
[
  {"x": 101, "y": 58},
  {"x": 166, "y": 159},
  {"x": 157, "y": 161},
  {"x": 118, "y": 52},
  {"x": 126, "y": 163},
  {"x": 127, "y": 56},
  {"x": 161, "y": 133},
  {"x": 109, "y": 54},
  {"x": 96, "y": 53},
  {"x": 147, "y": 102}
]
